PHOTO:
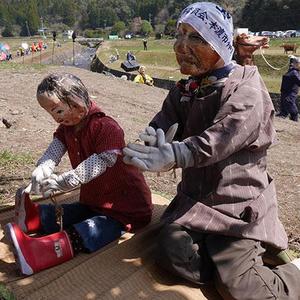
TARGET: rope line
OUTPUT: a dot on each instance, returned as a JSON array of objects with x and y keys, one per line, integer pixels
[{"x": 274, "y": 68}]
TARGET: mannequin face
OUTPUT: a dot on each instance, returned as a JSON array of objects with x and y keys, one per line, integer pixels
[
  {"x": 62, "y": 113},
  {"x": 296, "y": 65},
  {"x": 142, "y": 71},
  {"x": 194, "y": 55}
]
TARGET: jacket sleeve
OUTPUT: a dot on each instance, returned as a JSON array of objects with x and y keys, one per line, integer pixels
[
  {"x": 237, "y": 124},
  {"x": 92, "y": 167},
  {"x": 297, "y": 77},
  {"x": 137, "y": 79},
  {"x": 169, "y": 113},
  {"x": 53, "y": 155}
]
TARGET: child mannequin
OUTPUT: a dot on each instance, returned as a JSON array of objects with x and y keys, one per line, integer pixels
[
  {"x": 114, "y": 197},
  {"x": 142, "y": 77}
]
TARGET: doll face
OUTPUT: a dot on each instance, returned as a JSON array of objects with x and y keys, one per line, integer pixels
[
  {"x": 62, "y": 113},
  {"x": 296, "y": 65},
  {"x": 142, "y": 70},
  {"x": 194, "y": 55}
]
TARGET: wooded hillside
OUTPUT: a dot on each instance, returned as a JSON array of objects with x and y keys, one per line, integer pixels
[{"x": 27, "y": 16}]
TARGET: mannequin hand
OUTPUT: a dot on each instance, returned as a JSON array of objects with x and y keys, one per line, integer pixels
[
  {"x": 53, "y": 184},
  {"x": 149, "y": 158},
  {"x": 39, "y": 174},
  {"x": 149, "y": 135}
]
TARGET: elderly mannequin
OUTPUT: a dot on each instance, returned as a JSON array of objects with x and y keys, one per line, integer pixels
[
  {"x": 289, "y": 90},
  {"x": 225, "y": 211}
]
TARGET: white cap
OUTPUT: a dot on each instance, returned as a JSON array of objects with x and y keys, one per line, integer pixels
[
  {"x": 214, "y": 24},
  {"x": 296, "y": 60}
]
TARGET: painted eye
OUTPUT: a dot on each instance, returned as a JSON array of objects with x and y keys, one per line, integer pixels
[{"x": 198, "y": 38}]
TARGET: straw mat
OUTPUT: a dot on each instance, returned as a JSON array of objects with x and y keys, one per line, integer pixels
[{"x": 124, "y": 269}]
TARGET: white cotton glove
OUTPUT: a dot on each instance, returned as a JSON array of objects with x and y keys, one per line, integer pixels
[
  {"x": 53, "y": 184},
  {"x": 39, "y": 174},
  {"x": 149, "y": 158},
  {"x": 149, "y": 135}
]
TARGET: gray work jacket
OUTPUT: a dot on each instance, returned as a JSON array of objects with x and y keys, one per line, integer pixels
[{"x": 228, "y": 191}]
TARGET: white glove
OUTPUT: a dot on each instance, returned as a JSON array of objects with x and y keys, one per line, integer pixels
[
  {"x": 149, "y": 135},
  {"x": 53, "y": 184},
  {"x": 39, "y": 174},
  {"x": 149, "y": 158}
]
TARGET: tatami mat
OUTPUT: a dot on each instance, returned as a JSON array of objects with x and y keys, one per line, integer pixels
[{"x": 122, "y": 270}]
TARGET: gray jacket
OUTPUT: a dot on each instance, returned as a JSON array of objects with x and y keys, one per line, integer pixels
[{"x": 228, "y": 190}]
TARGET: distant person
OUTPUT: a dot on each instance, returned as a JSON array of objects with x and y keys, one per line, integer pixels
[
  {"x": 130, "y": 56},
  {"x": 114, "y": 197},
  {"x": 33, "y": 47},
  {"x": 145, "y": 44},
  {"x": 117, "y": 54},
  {"x": 289, "y": 90},
  {"x": 40, "y": 46},
  {"x": 291, "y": 61},
  {"x": 142, "y": 77}
]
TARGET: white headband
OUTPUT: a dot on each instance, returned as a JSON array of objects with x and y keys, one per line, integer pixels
[{"x": 214, "y": 24}]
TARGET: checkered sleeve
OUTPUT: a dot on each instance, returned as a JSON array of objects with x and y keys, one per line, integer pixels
[
  {"x": 92, "y": 167},
  {"x": 53, "y": 154}
]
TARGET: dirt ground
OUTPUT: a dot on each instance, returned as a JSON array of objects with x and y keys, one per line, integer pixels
[{"x": 132, "y": 106}]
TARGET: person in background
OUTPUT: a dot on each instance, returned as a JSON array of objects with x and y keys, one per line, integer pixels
[
  {"x": 130, "y": 56},
  {"x": 225, "y": 213},
  {"x": 9, "y": 56},
  {"x": 289, "y": 90},
  {"x": 145, "y": 42},
  {"x": 142, "y": 77},
  {"x": 33, "y": 47},
  {"x": 114, "y": 197}
]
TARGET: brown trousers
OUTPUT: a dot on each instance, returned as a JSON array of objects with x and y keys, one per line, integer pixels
[{"x": 235, "y": 265}]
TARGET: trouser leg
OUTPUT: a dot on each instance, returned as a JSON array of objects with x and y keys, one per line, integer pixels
[
  {"x": 98, "y": 231},
  {"x": 87, "y": 230},
  {"x": 283, "y": 108},
  {"x": 94, "y": 233},
  {"x": 240, "y": 273},
  {"x": 292, "y": 109},
  {"x": 72, "y": 213},
  {"x": 181, "y": 252}
]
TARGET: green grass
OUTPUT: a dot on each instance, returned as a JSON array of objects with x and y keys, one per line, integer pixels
[
  {"x": 278, "y": 42},
  {"x": 272, "y": 77},
  {"x": 15, "y": 42},
  {"x": 295, "y": 253},
  {"x": 5, "y": 294},
  {"x": 15, "y": 160},
  {"x": 160, "y": 60}
]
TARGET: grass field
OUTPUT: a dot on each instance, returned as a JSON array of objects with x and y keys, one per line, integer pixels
[
  {"x": 161, "y": 63},
  {"x": 15, "y": 42},
  {"x": 160, "y": 60}
]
